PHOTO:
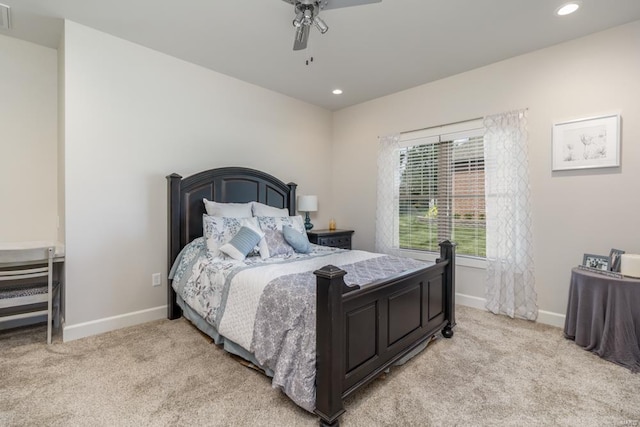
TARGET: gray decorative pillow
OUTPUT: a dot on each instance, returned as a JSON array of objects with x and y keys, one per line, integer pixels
[
  {"x": 298, "y": 241},
  {"x": 220, "y": 230},
  {"x": 276, "y": 223},
  {"x": 241, "y": 244},
  {"x": 276, "y": 243}
]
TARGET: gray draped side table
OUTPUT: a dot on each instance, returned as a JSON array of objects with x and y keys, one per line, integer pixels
[{"x": 603, "y": 316}]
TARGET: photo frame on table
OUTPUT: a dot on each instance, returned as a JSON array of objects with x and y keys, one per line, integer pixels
[
  {"x": 614, "y": 259},
  {"x": 599, "y": 262},
  {"x": 592, "y": 142}
]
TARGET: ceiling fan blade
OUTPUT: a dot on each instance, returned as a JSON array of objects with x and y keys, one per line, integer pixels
[
  {"x": 335, "y": 4},
  {"x": 302, "y": 35}
]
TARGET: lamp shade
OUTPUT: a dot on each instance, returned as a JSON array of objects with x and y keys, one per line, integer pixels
[{"x": 307, "y": 203}]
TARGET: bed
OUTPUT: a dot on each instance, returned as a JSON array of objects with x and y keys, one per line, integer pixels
[{"x": 361, "y": 329}]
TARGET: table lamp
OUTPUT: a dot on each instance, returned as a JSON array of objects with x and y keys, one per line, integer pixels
[{"x": 307, "y": 204}]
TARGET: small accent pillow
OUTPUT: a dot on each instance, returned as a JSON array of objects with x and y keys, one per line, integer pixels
[
  {"x": 276, "y": 243},
  {"x": 242, "y": 243},
  {"x": 298, "y": 241},
  {"x": 219, "y": 230},
  {"x": 228, "y": 210},
  {"x": 260, "y": 209}
]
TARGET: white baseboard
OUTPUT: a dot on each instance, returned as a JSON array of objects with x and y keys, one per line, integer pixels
[
  {"x": 95, "y": 327},
  {"x": 549, "y": 318},
  {"x": 546, "y": 317},
  {"x": 470, "y": 301}
]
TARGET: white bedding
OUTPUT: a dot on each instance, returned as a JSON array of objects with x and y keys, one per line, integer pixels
[{"x": 246, "y": 288}]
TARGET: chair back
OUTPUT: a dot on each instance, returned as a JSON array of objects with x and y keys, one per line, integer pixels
[
  {"x": 20, "y": 288},
  {"x": 26, "y": 255},
  {"x": 19, "y": 264}
]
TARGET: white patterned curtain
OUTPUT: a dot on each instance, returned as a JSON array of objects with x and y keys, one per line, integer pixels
[
  {"x": 510, "y": 275},
  {"x": 387, "y": 195}
]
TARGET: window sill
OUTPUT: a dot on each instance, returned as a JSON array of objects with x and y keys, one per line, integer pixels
[{"x": 461, "y": 260}]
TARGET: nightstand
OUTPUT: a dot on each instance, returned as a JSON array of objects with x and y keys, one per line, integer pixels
[{"x": 334, "y": 238}]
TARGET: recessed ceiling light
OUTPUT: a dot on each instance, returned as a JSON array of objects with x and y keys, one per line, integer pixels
[
  {"x": 337, "y": 92},
  {"x": 568, "y": 8}
]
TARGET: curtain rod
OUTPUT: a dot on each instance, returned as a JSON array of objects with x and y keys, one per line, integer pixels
[
  {"x": 446, "y": 124},
  {"x": 439, "y": 126}
]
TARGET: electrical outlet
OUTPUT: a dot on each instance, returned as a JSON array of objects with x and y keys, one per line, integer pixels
[{"x": 156, "y": 279}]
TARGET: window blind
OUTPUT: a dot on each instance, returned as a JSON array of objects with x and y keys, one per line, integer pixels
[{"x": 441, "y": 191}]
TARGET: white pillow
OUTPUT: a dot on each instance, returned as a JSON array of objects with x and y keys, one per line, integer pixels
[
  {"x": 260, "y": 209},
  {"x": 228, "y": 210},
  {"x": 218, "y": 231}
]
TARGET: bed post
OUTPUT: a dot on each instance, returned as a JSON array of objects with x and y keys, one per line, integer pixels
[
  {"x": 329, "y": 344},
  {"x": 448, "y": 253},
  {"x": 292, "y": 198},
  {"x": 173, "y": 236}
]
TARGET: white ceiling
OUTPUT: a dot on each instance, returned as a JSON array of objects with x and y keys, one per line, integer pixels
[{"x": 370, "y": 50}]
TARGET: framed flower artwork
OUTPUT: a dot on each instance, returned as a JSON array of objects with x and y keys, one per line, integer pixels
[{"x": 592, "y": 142}]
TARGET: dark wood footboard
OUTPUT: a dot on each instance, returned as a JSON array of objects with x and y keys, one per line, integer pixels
[{"x": 361, "y": 332}]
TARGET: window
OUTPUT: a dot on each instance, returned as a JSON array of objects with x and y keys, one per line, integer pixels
[{"x": 439, "y": 189}]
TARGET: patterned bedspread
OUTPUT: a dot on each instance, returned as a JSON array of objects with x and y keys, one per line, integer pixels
[{"x": 268, "y": 307}]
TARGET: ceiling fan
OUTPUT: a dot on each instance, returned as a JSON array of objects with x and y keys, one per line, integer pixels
[{"x": 307, "y": 12}]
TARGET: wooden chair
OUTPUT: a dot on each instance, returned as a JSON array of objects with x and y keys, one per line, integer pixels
[{"x": 26, "y": 284}]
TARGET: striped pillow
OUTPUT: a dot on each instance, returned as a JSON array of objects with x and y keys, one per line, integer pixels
[{"x": 241, "y": 244}]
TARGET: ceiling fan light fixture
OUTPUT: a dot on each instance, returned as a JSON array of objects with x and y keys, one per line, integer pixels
[
  {"x": 320, "y": 24},
  {"x": 308, "y": 16},
  {"x": 297, "y": 21}
]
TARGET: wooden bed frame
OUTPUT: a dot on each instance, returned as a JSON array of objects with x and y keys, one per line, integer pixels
[{"x": 360, "y": 333}]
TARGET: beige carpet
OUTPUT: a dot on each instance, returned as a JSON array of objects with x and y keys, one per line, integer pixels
[{"x": 494, "y": 371}]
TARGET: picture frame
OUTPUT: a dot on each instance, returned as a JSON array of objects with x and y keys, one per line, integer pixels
[
  {"x": 592, "y": 142},
  {"x": 599, "y": 262},
  {"x": 602, "y": 272},
  {"x": 614, "y": 260}
]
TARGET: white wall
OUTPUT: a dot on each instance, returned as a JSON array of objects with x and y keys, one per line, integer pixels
[
  {"x": 61, "y": 139},
  {"x": 574, "y": 212},
  {"x": 28, "y": 103},
  {"x": 134, "y": 115}
]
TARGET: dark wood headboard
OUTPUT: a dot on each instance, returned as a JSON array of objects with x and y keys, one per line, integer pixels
[{"x": 224, "y": 185}]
